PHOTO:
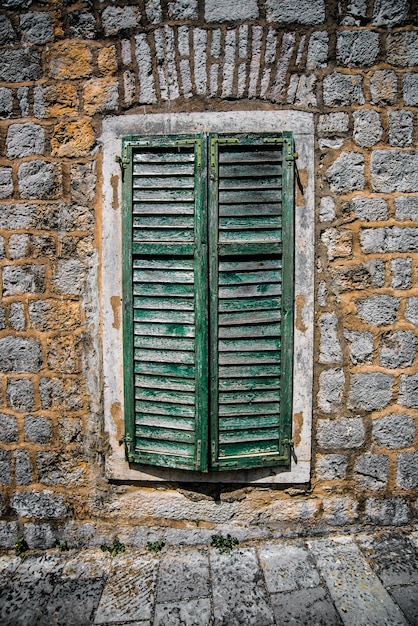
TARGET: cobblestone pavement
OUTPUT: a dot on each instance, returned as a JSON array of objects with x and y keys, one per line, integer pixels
[{"x": 352, "y": 580}]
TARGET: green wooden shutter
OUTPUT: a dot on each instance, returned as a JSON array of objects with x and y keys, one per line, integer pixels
[
  {"x": 165, "y": 329},
  {"x": 251, "y": 287}
]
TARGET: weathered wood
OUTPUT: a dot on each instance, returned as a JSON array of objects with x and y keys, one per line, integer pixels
[
  {"x": 163, "y": 221},
  {"x": 164, "y": 343},
  {"x": 254, "y": 170},
  {"x": 175, "y": 397},
  {"x": 163, "y": 182},
  {"x": 249, "y": 249},
  {"x": 164, "y": 408},
  {"x": 251, "y": 344},
  {"x": 163, "y": 195},
  {"x": 254, "y": 434},
  {"x": 249, "y": 291},
  {"x": 170, "y": 369},
  {"x": 164, "y": 382},
  {"x": 166, "y": 169},
  {"x": 164, "y": 264},
  {"x": 163, "y": 208},
  {"x": 249, "y": 384},
  {"x": 163, "y": 157},
  {"x": 165, "y": 448},
  {"x": 250, "y": 185},
  {"x": 250, "y": 331},
  {"x": 248, "y": 304},
  {"x": 250, "y": 396},
  {"x": 235, "y": 196},
  {"x": 165, "y": 421},
  {"x": 250, "y": 448},
  {"x": 163, "y": 234},
  {"x": 248, "y": 371},
  {"x": 249, "y": 317},
  {"x": 243, "y": 210},
  {"x": 156, "y": 433},
  {"x": 172, "y": 317},
  {"x": 247, "y": 358},
  {"x": 161, "y": 276},
  {"x": 247, "y": 421},
  {"x": 249, "y": 236},
  {"x": 251, "y": 266},
  {"x": 163, "y": 289},
  {"x": 159, "y": 249},
  {"x": 164, "y": 356},
  {"x": 164, "y": 330},
  {"x": 250, "y": 223},
  {"x": 250, "y": 156}
]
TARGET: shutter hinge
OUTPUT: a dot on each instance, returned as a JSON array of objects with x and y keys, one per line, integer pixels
[
  {"x": 123, "y": 162},
  {"x": 128, "y": 447},
  {"x": 273, "y": 140},
  {"x": 199, "y": 451},
  {"x": 213, "y": 142},
  {"x": 289, "y": 442},
  {"x": 193, "y": 142}
]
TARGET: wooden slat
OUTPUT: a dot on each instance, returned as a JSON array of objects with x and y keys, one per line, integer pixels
[
  {"x": 243, "y": 210},
  {"x": 170, "y": 317},
  {"x": 163, "y": 157},
  {"x": 161, "y": 369},
  {"x": 249, "y": 223},
  {"x": 164, "y": 221},
  {"x": 166, "y": 248},
  {"x": 249, "y": 396},
  {"x": 164, "y": 343},
  {"x": 163, "y": 208},
  {"x": 249, "y": 185},
  {"x": 247, "y": 435},
  {"x": 249, "y": 291},
  {"x": 249, "y": 384},
  {"x": 250, "y": 331},
  {"x": 247, "y": 421},
  {"x": 248, "y": 304},
  {"x": 163, "y": 182},
  {"x": 246, "y": 408},
  {"x": 163, "y": 289},
  {"x": 249, "y": 196},
  {"x": 163, "y": 234},
  {"x": 248, "y": 448},
  {"x": 164, "y": 356},
  {"x": 164, "y": 264},
  {"x": 244, "y": 248},
  {"x": 251, "y": 266},
  {"x": 165, "y": 421},
  {"x": 253, "y": 169},
  {"x": 165, "y": 447},
  {"x": 250, "y": 345},
  {"x": 249, "y": 371},
  {"x": 164, "y": 382},
  {"x": 249, "y": 317},
  {"x": 166, "y": 169},
  {"x": 165, "y": 330},
  {"x": 247, "y": 358},
  {"x": 164, "y": 408},
  {"x": 248, "y": 236},
  {"x": 159, "y": 395},
  {"x": 250, "y": 156},
  {"x": 165, "y": 434},
  {"x": 163, "y": 195},
  {"x": 160, "y": 276}
]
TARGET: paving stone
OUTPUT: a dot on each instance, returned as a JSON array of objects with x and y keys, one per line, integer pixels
[
  {"x": 72, "y": 602},
  {"x": 327, "y": 209},
  {"x": 287, "y": 567},
  {"x": 194, "y": 612},
  {"x": 357, "y": 592},
  {"x": 339, "y": 510},
  {"x": 129, "y": 591},
  {"x": 394, "y": 170},
  {"x": 408, "y": 391},
  {"x": 183, "y": 574},
  {"x": 90, "y": 563},
  {"x": 19, "y": 394},
  {"x": 240, "y": 572},
  {"x": 317, "y": 51},
  {"x": 307, "y": 606},
  {"x": 411, "y": 310},
  {"x": 394, "y": 557},
  {"x": 183, "y": 9},
  {"x": 6, "y": 102},
  {"x": 6, "y": 182},
  {"x": 406, "y": 598}
]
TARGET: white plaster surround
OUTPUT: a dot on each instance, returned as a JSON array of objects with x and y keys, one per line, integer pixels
[{"x": 302, "y": 126}]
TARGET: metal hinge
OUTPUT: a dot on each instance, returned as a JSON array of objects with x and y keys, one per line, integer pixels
[
  {"x": 193, "y": 142},
  {"x": 289, "y": 442},
  {"x": 128, "y": 447},
  {"x": 273, "y": 140},
  {"x": 213, "y": 142}
]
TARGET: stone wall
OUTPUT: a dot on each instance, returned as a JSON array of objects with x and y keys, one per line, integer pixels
[{"x": 66, "y": 65}]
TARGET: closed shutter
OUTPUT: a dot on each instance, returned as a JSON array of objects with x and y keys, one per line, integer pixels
[
  {"x": 251, "y": 265},
  {"x": 165, "y": 301}
]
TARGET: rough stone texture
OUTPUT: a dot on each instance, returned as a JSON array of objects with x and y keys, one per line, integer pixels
[
  {"x": 402, "y": 48},
  {"x": 20, "y": 65},
  {"x": 39, "y": 504},
  {"x": 333, "y": 123},
  {"x": 352, "y": 12},
  {"x": 401, "y": 270},
  {"x": 37, "y": 429},
  {"x": 6, "y": 182},
  {"x": 331, "y": 466},
  {"x": 317, "y": 51},
  {"x": 69, "y": 277},
  {"x": 378, "y": 310},
  {"x": 7, "y": 32},
  {"x": 8, "y": 428},
  {"x": 391, "y": 239},
  {"x": 398, "y": 349},
  {"x": 220, "y": 11},
  {"x": 69, "y": 60},
  {"x": 344, "y": 432},
  {"x": 58, "y": 393},
  {"x": 372, "y": 471},
  {"x": 343, "y": 89},
  {"x": 183, "y": 9},
  {"x": 6, "y": 102},
  {"x": 370, "y": 391},
  {"x": 407, "y": 470},
  {"x": 357, "y": 48},
  {"x": 338, "y": 243},
  {"x": 5, "y": 467},
  {"x": 330, "y": 348},
  {"x": 72, "y": 139},
  {"x": 23, "y": 468},
  {"x": 339, "y": 511},
  {"x": 407, "y": 208},
  {"x": 387, "y": 512},
  {"x": 390, "y": 12},
  {"x": 361, "y": 346},
  {"x": 367, "y": 209},
  {"x": 394, "y": 430},
  {"x": 36, "y": 27},
  {"x": 408, "y": 391},
  {"x": 115, "y": 19},
  {"x": 347, "y": 172},
  {"x": 20, "y": 395},
  {"x": 54, "y": 315},
  {"x": 367, "y": 127},
  {"x": 327, "y": 209},
  {"x": 82, "y": 25},
  {"x": 309, "y": 12},
  {"x": 101, "y": 94},
  {"x": 410, "y": 88},
  {"x": 384, "y": 87},
  {"x": 411, "y": 310},
  {"x": 19, "y": 279},
  {"x": 401, "y": 126},
  {"x": 18, "y": 354},
  {"x": 39, "y": 179},
  {"x": 331, "y": 386}
]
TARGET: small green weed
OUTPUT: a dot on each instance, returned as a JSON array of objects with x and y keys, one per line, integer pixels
[
  {"x": 63, "y": 547},
  {"x": 224, "y": 544},
  {"x": 116, "y": 547},
  {"x": 21, "y": 547},
  {"x": 155, "y": 546}
]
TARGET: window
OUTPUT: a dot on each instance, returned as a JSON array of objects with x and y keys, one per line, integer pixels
[
  {"x": 112, "y": 266},
  {"x": 208, "y": 299}
]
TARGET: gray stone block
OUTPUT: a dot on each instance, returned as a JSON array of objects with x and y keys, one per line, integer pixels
[
  {"x": 402, "y": 48},
  {"x": 387, "y": 511},
  {"x": 333, "y": 123},
  {"x": 331, "y": 466},
  {"x": 390, "y": 12},
  {"x": 343, "y": 89},
  {"x": 40, "y": 536},
  {"x": 408, "y": 391},
  {"x": 410, "y": 88},
  {"x": 367, "y": 127},
  {"x": 377, "y": 269},
  {"x": 367, "y": 209},
  {"x": 401, "y": 126},
  {"x": 361, "y": 346},
  {"x": 196, "y": 611},
  {"x": 83, "y": 183},
  {"x": 384, "y": 87},
  {"x": 411, "y": 310},
  {"x": 37, "y": 429},
  {"x": 310, "y": 12},
  {"x": 394, "y": 431},
  {"x": 153, "y": 11},
  {"x": 401, "y": 270},
  {"x": 339, "y": 511},
  {"x": 407, "y": 208},
  {"x": 347, "y": 172},
  {"x": 19, "y": 246},
  {"x": 8, "y": 428},
  {"x": 61, "y": 393},
  {"x": 389, "y": 239},
  {"x": 352, "y": 12},
  {"x": 327, "y": 209},
  {"x": 23, "y": 468},
  {"x": 6, "y": 102},
  {"x": 20, "y": 354},
  {"x": 398, "y": 349},
  {"x": 116, "y": 19},
  {"x": 39, "y": 504},
  {"x": 293, "y": 607},
  {"x": 331, "y": 387},
  {"x": 15, "y": 216},
  {"x": 183, "y": 574},
  {"x": 344, "y": 432},
  {"x": 20, "y": 396},
  {"x": 372, "y": 471},
  {"x": 6, "y": 182},
  {"x": 330, "y": 348},
  {"x": 7, "y": 32},
  {"x": 70, "y": 430},
  {"x": 378, "y": 310},
  {"x": 220, "y": 11},
  {"x": 146, "y": 80},
  {"x": 2, "y": 253},
  {"x": 5, "y": 467},
  {"x": 2, "y": 318},
  {"x": 370, "y": 391},
  {"x": 38, "y": 102},
  {"x": 40, "y": 180},
  {"x": 69, "y": 277},
  {"x": 406, "y": 597},
  {"x": 20, "y": 65},
  {"x": 407, "y": 469},
  {"x": 37, "y": 27},
  {"x": 24, "y": 139},
  {"x": 23, "y": 97},
  {"x": 183, "y": 10},
  {"x": 8, "y": 533},
  {"x": 19, "y": 279},
  {"x": 287, "y": 567},
  {"x": 357, "y": 48},
  {"x": 82, "y": 24},
  {"x": 317, "y": 51}
]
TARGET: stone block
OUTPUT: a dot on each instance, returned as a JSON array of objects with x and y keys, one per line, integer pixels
[
  {"x": 37, "y": 429},
  {"x": 407, "y": 470},
  {"x": 7, "y": 32},
  {"x": 101, "y": 94},
  {"x": 116, "y": 19},
  {"x": 220, "y": 11},
  {"x": 8, "y": 428},
  {"x": 19, "y": 65},
  {"x": 390, "y": 12},
  {"x": 343, "y": 89},
  {"x": 357, "y": 48},
  {"x": 372, "y": 471},
  {"x": 19, "y": 279},
  {"x": 40, "y": 536},
  {"x": 401, "y": 126},
  {"x": 82, "y": 24},
  {"x": 339, "y": 510},
  {"x": 69, "y": 60},
  {"x": 384, "y": 87},
  {"x": 329, "y": 347},
  {"x": 352, "y": 12},
  {"x": 69, "y": 277},
  {"x": 5, "y": 467},
  {"x": 54, "y": 315},
  {"x": 333, "y": 123},
  {"x": 20, "y": 354},
  {"x": 367, "y": 127},
  {"x": 331, "y": 466},
  {"x": 6, "y": 102},
  {"x": 58, "y": 468},
  {"x": 317, "y": 51},
  {"x": 338, "y": 243},
  {"x": 64, "y": 393},
  {"x": 402, "y": 48},
  {"x": 309, "y": 12},
  {"x": 183, "y": 10},
  {"x": 22, "y": 95},
  {"x": 292, "y": 607},
  {"x": 406, "y": 208},
  {"x": 40, "y": 179},
  {"x": 327, "y": 209},
  {"x": 287, "y": 567},
  {"x": 346, "y": 174},
  {"x": 17, "y": 316},
  {"x": 370, "y": 391},
  {"x": 19, "y": 246},
  {"x": 6, "y": 182},
  {"x": 63, "y": 354},
  {"x": 410, "y": 88},
  {"x": 361, "y": 346},
  {"x": 39, "y": 504},
  {"x": 146, "y": 80},
  {"x": 107, "y": 61},
  {"x": 36, "y": 27},
  {"x": 387, "y": 511},
  {"x": 354, "y": 277},
  {"x": 398, "y": 349},
  {"x": 2, "y": 318},
  {"x": 60, "y": 99},
  {"x": 153, "y": 11},
  {"x": 8, "y": 533},
  {"x": 196, "y": 611},
  {"x": 344, "y": 432},
  {"x": 401, "y": 270},
  {"x": 378, "y": 310},
  {"x": 394, "y": 431},
  {"x": 411, "y": 310},
  {"x": 72, "y": 139},
  {"x": 23, "y": 467},
  {"x": 408, "y": 391},
  {"x": 389, "y": 239},
  {"x": 70, "y": 430},
  {"x": 20, "y": 394},
  {"x": 367, "y": 209},
  {"x": 331, "y": 387},
  {"x": 183, "y": 574}
]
